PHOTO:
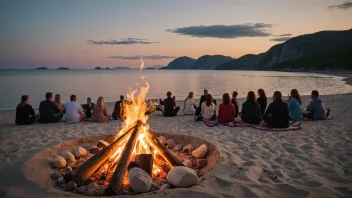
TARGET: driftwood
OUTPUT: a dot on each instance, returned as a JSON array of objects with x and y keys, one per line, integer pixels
[
  {"x": 115, "y": 184},
  {"x": 84, "y": 171},
  {"x": 164, "y": 152},
  {"x": 145, "y": 162}
]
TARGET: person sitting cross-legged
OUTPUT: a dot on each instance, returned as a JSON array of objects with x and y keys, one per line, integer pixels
[
  {"x": 88, "y": 108},
  {"x": 48, "y": 111},
  {"x": 277, "y": 115},
  {"x": 116, "y": 114},
  {"x": 74, "y": 111},
  {"x": 170, "y": 108},
  {"x": 25, "y": 114},
  {"x": 226, "y": 110},
  {"x": 316, "y": 109}
]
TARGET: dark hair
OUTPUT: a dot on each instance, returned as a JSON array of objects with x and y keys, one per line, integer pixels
[
  {"x": 90, "y": 99},
  {"x": 277, "y": 95},
  {"x": 295, "y": 94},
  {"x": 209, "y": 100},
  {"x": 226, "y": 98},
  {"x": 122, "y": 97},
  {"x": 24, "y": 98},
  {"x": 234, "y": 94},
  {"x": 205, "y": 91},
  {"x": 168, "y": 94},
  {"x": 251, "y": 96},
  {"x": 48, "y": 95},
  {"x": 262, "y": 93},
  {"x": 315, "y": 93},
  {"x": 72, "y": 97}
]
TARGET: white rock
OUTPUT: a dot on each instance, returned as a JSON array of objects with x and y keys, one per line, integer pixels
[
  {"x": 68, "y": 155},
  {"x": 187, "y": 163},
  {"x": 61, "y": 180},
  {"x": 79, "y": 151},
  {"x": 182, "y": 177},
  {"x": 71, "y": 186},
  {"x": 162, "y": 139},
  {"x": 68, "y": 169},
  {"x": 200, "y": 152},
  {"x": 188, "y": 148},
  {"x": 178, "y": 147},
  {"x": 92, "y": 187},
  {"x": 58, "y": 162},
  {"x": 171, "y": 143},
  {"x": 139, "y": 180}
]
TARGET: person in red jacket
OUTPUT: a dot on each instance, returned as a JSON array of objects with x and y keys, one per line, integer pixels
[{"x": 226, "y": 110}]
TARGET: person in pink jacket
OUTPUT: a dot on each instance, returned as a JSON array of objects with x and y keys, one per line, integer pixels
[{"x": 100, "y": 111}]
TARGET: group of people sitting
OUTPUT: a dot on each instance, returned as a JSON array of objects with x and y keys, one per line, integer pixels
[
  {"x": 254, "y": 110},
  {"x": 52, "y": 110}
]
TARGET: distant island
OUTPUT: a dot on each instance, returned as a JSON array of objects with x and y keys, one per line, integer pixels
[
  {"x": 325, "y": 50},
  {"x": 98, "y": 68},
  {"x": 107, "y": 67},
  {"x": 150, "y": 68},
  {"x": 41, "y": 68},
  {"x": 121, "y": 68},
  {"x": 63, "y": 68}
]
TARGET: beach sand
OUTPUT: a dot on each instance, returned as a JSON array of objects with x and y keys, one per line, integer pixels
[{"x": 313, "y": 162}]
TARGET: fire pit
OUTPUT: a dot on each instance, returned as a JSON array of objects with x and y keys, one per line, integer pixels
[{"x": 134, "y": 160}]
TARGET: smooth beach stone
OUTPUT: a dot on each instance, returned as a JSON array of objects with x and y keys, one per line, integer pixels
[
  {"x": 68, "y": 169},
  {"x": 182, "y": 177},
  {"x": 79, "y": 152},
  {"x": 166, "y": 186},
  {"x": 93, "y": 187},
  {"x": 200, "y": 152},
  {"x": 71, "y": 186},
  {"x": 171, "y": 143},
  {"x": 68, "y": 155},
  {"x": 55, "y": 176},
  {"x": 58, "y": 162},
  {"x": 187, "y": 163},
  {"x": 162, "y": 139},
  {"x": 139, "y": 180},
  {"x": 156, "y": 186},
  {"x": 188, "y": 148},
  {"x": 178, "y": 147},
  {"x": 201, "y": 163},
  {"x": 61, "y": 180}
]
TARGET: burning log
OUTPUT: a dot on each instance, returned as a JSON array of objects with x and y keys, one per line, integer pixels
[
  {"x": 145, "y": 162},
  {"x": 83, "y": 172},
  {"x": 121, "y": 169},
  {"x": 164, "y": 152}
]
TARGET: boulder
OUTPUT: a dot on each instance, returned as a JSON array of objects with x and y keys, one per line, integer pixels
[
  {"x": 79, "y": 152},
  {"x": 200, "y": 152},
  {"x": 139, "y": 180},
  {"x": 58, "y": 162},
  {"x": 178, "y": 147},
  {"x": 93, "y": 187},
  {"x": 187, "y": 163},
  {"x": 188, "y": 148},
  {"x": 68, "y": 169},
  {"x": 182, "y": 177},
  {"x": 162, "y": 139},
  {"x": 55, "y": 176},
  {"x": 170, "y": 143},
  {"x": 201, "y": 163},
  {"x": 71, "y": 186},
  {"x": 68, "y": 156}
]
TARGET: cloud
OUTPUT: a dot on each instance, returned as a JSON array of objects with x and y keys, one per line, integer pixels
[
  {"x": 122, "y": 41},
  {"x": 136, "y": 57},
  {"x": 343, "y": 6},
  {"x": 282, "y": 35},
  {"x": 225, "y": 31},
  {"x": 281, "y": 39}
]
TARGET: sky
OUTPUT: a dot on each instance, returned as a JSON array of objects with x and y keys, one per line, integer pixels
[{"x": 89, "y": 33}]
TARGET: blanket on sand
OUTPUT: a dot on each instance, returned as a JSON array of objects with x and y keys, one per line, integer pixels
[{"x": 296, "y": 125}]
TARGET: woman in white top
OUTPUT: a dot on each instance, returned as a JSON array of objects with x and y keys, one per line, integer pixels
[
  {"x": 189, "y": 107},
  {"x": 208, "y": 108}
]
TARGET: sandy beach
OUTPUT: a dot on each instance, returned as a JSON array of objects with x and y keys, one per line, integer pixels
[{"x": 313, "y": 162}]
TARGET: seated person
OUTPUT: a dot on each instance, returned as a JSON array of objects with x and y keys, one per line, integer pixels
[
  {"x": 262, "y": 100},
  {"x": 170, "y": 109},
  {"x": 189, "y": 107},
  {"x": 87, "y": 108},
  {"x": 100, "y": 112},
  {"x": 58, "y": 103},
  {"x": 234, "y": 102},
  {"x": 74, "y": 111},
  {"x": 201, "y": 100},
  {"x": 208, "y": 110},
  {"x": 316, "y": 109},
  {"x": 116, "y": 114},
  {"x": 226, "y": 110},
  {"x": 277, "y": 115},
  {"x": 251, "y": 110},
  {"x": 295, "y": 106},
  {"x": 48, "y": 111},
  {"x": 25, "y": 114}
]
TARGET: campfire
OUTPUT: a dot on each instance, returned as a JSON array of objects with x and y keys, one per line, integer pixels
[{"x": 133, "y": 157}]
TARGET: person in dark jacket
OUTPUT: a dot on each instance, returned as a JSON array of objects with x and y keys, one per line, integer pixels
[
  {"x": 88, "y": 108},
  {"x": 251, "y": 110},
  {"x": 277, "y": 115},
  {"x": 234, "y": 102},
  {"x": 116, "y": 114},
  {"x": 262, "y": 100},
  {"x": 170, "y": 108},
  {"x": 48, "y": 111},
  {"x": 201, "y": 100},
  {"x": 25, "y": 114},
  {"x": 316, "y": 109}
]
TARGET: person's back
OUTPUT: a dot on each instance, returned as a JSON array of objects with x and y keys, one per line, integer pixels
[
  {"x": 295, "y": 109},
  {"x": 189, "y": 106},
  {"x": 251, "y": 112},
  {"x": 279, "y": 115},
  {"x": 317, "y": 109},
  {"x": 100, "y": 114},
  {"x": 73, "y": 112},
  {"x": 262, "y": 103},
  {"x": 47, "y": 110},
  {"x": 208, "y": 111},
  {"x": 116, "y": 114},
  {"x": 226, "y": 113},
  {"x": 237, "y": 109},
  {"x": 24, "y": 114},
  {"x": 169, "y": 107}
]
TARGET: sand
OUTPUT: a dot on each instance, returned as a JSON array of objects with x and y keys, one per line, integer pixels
[{"x": 313, "y": 162}]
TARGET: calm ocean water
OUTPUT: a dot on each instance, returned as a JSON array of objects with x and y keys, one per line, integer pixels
[{"x": 112, "y": 83}]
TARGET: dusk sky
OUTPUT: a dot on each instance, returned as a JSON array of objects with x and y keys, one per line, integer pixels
[{"x": 87, "y": 33}]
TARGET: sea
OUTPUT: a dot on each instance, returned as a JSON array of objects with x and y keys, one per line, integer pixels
[{"x": 110, "y": 84}]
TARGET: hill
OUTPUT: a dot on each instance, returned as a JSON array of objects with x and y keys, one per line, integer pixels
[
  {"x": 63, "y": 68},
  {"x": 208, "y": 62},
  {"x": 183, "y": 62},
  {"x": 41, "y": 68},
  {"x": 245, "y": 62}
]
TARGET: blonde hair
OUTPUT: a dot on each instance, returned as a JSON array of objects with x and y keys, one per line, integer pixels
[
  {"x": 100, "y": 102},
  {"x": 190, "y": 95}
]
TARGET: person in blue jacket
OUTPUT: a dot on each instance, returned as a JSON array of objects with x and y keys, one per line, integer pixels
[{"x": 295, "y": 106}]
